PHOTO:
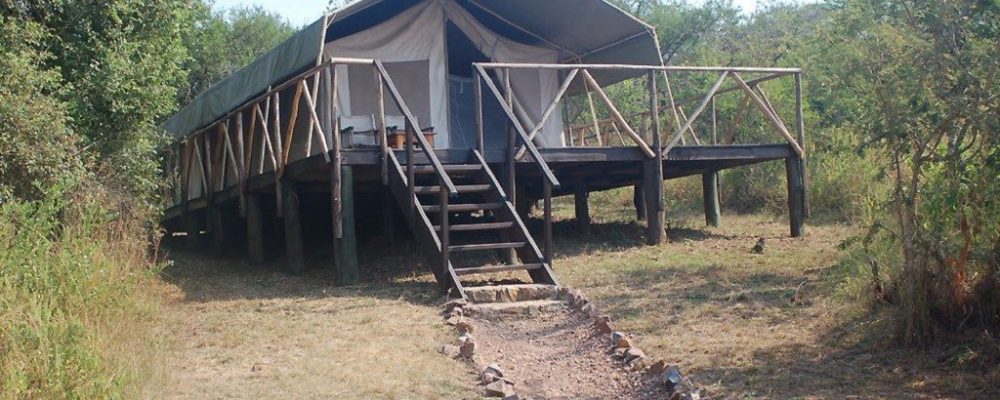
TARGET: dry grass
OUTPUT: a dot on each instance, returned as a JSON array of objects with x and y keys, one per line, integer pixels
[
  {"x": 243, "y": 332},
  {"x": 778, "y": 325},
  {"x": 775, "y": 325}
]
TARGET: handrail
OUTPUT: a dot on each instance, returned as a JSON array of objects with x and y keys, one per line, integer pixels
[
  {"x": 522, "y": 134},
  {"x": 412, "y": 121},
  {"x": 668, "y": 68}
]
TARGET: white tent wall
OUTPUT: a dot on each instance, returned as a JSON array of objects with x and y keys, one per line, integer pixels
[{"x": 412, "y": 45}]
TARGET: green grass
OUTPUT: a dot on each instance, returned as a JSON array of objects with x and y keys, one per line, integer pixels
[{"x": 72, "y": 318}]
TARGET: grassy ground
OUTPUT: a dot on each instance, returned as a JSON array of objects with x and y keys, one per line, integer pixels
[
  {"x": 776, "y": 325},
  {"x": 779, "y": 325},
  {"x": 244, "y": 332}
]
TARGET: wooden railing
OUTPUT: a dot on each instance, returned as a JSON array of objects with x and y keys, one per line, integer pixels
[
  {"x": 517, "y": 136},
  {"x": 265, "y": 127},
  {"x": 623, "y": 129}
]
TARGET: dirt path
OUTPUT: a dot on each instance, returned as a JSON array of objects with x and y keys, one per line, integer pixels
[
  {"x": 556, "y": 356},
  {"x": 243, "y": 333}
]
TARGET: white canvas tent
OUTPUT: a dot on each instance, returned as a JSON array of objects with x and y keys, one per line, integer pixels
[
  {"x": 412, "y": 45},
  {"x": 412, "y": 39}
]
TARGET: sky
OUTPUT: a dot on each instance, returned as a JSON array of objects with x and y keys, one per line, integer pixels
[{"x": 301, "y": 12}]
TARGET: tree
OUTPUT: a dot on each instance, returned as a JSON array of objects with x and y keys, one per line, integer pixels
[{"x": 223, "y": 41}]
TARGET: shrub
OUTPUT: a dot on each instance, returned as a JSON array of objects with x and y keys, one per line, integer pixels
[{"x": 71, "y": 315}]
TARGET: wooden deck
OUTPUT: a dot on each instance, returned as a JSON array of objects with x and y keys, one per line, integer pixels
[{"x": 587, "y": 168}]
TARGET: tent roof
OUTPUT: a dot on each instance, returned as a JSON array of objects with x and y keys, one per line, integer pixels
[{"x": 597, "y": 32}]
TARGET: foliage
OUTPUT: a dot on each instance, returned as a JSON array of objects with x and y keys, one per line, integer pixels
[
  {"x": 924, "y": 74},
  {"x": 223, "y": 41},
  {"x": 119, "y": 64},
  {"x": 72, "y": 317},
  {"x": 36, "y": 146}
]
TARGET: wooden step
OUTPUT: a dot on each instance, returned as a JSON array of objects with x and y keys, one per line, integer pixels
[
  {"x": 448, "y": 168},
  {"x": 477, "y": 227},
  {"x": 464, "y": 207},
  {"x": 486, "y": 246},
  {"x": 496, "y": 268},
  {"x": 460, "y": 188}
]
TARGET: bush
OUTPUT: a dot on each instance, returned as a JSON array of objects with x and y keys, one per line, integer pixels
[{"x": 72, "y": 319}]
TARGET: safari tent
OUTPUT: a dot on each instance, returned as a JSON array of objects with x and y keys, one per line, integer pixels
[{"x": 451, "y": 114}]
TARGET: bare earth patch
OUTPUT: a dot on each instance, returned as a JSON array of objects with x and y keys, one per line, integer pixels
[{"x": 556, "y": 355}]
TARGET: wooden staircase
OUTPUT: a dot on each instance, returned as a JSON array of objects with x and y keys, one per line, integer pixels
[{"x": 459, "y": 229}]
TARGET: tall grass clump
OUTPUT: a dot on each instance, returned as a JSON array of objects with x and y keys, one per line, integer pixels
[{"x": 73, "y": 314}]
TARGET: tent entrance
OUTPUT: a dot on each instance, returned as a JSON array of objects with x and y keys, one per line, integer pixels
[{"x": 461, "y": 54}]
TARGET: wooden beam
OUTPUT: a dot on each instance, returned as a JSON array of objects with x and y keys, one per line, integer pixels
[
  {"x": 292, "y": 119},
  {"x": 653, "y": 173},
  {"x": 710, "y": 197},
  {"x": 796, "y": 196},
  {"x": 345, "y": 250},
  {"x": 618, "y": 115},
  {"x": 775, "y": 123},
  {"x": 315, "y": 122},
  {"x": 582, "y": 207},
  {"x": 696, "y": 113},
  {"x": 548, "y": 110}
]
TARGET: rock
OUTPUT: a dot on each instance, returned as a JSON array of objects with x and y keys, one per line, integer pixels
[
  {"x": 495, "y": 369},
  {"x": 588, "y": 309},
  {"x": 578, "y": 299},
  {"x": 604, "y": 324},
  {"x": 456, "y": 312},
  {"x": 619, "y": 352},
  {"x": 450, "y": 350},
  {"x": 619, "y": 339},
  {"x": 467, "y": 345},
  {"x": 464, "y": 326},
  {"x": 499, "y": 388},
  {"x": 487, "y": 378},
  {"x": 657, "y": 368},
  {"x": 615, "y": 336},
  {"x": 638, "y": 364},
  {"x": 671, "y": 377},
  {"x": 453, "y": 320},
  {"x": 451, "y": 304},
  {"x": 633, "y": 353},
  {"x": 512, "y": 397}
]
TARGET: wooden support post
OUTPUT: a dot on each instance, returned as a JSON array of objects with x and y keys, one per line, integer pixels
[
  {"x": 796, "y": 196},
  {"x": 582, "y": 207},
  {"x": 639, "y": 201},
  {"x": 216, "y": 225},
  {"x": 293, "y": 229},
  {"x": 547, "y": 219},
  {"x": 510, "y": 166},
  {"x": 345, "y": 249},
  {"x": 445, "y": 235},
  {"x": 653, "y": 189},
  {"x": 653, "y": 171},
  {"x": 710, "y": 196},
  {"x": 800, "y": 130},
  {"x": 388, "y": 218},
  {"x": 193, "y": 229},
  {"x": 255, "y": 229}
]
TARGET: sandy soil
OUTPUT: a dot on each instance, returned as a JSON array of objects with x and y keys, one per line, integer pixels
[{"x": 556, "y": 356}]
